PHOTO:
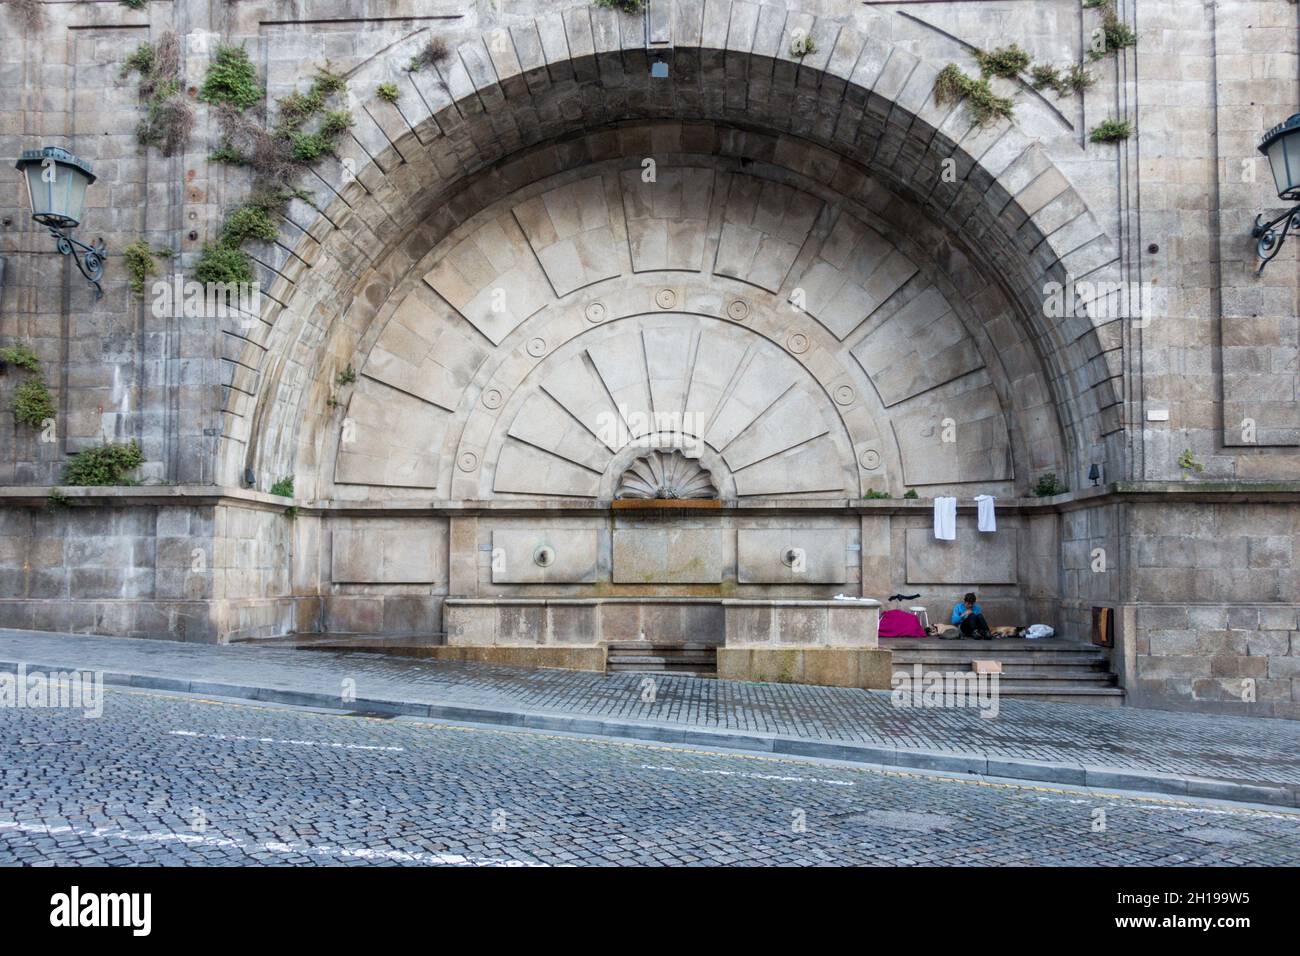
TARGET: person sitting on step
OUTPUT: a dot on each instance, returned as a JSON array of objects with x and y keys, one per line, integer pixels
[{"x": 969, "y": 618}]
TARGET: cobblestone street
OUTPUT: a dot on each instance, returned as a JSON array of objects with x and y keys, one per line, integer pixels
[
  {"x": 1243, "y": 758},
  {"x": 172, "y": 779}
]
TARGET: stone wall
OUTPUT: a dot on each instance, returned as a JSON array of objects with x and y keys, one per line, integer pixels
[
  {"x": 1213, "y": 607},
  {"x": 805, "y": 276},
  {"x": 145, "y": 568}
]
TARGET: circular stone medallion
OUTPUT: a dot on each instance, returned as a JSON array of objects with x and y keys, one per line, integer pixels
[
  {"x": 467, "y": 461},
  {"x": 797, "y": 343},
  {"x": 738, "y": 310},
  {"x": 844, "y": 394},
  {"x": 596, "y": 312},
  {"x": 537, "y": 347},
  {"x": 665, "y": 298},
  {"x": 492, "y": 397}
]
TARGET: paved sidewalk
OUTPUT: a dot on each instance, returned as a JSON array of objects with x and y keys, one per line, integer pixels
[{"x": 1236, "y": 758}]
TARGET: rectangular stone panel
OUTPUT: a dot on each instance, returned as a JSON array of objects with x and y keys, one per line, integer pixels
[
  {"x": 387, "y": 556},
  {"x": 761, "y": 556},
  {"x": 974, "y": 558},
  {"x": 678, "y": 556},
  {"x": 572, "y": 555}
]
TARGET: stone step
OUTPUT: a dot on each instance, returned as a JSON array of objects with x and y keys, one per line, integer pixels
[
  {"x": 1052, "y": 692},
  {"x": 1112, "y": 696},
  {"x": 995, "y": 654},
  {"x": 1011, "y": 645},
  {"x": 1077, "y": 668},
  {"x": 689, "y": 659},
  {"x": 653, "y": 660},
  {"x": 683, "y": 671},
  {"x": 1104, "y": 678},
  {"x": 661, "y": 646}
]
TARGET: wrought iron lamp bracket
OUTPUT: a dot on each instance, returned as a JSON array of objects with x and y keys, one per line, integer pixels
[
  {"x": 1272, "y": 234},
  {"x": 89, "y": 259}
]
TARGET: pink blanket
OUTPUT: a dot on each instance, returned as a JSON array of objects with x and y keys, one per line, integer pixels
[{"x": 897, "y": 623}]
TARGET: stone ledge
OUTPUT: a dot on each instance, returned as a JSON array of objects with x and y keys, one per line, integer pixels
[
  {"x": 867, "y": 668},
  {"x": 581, "y": 602},
  {"x": 567, "y": 658},
  {"x": 1284, "y": 492},
  {"x": 799, "y": 602}
]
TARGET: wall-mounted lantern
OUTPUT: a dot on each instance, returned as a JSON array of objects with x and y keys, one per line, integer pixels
[
  {"x": 1281, "y": 145},
  {"x": 56, "y": 187}
]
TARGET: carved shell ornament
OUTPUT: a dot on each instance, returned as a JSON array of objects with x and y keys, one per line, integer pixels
[{"x": 666, "y": 474}]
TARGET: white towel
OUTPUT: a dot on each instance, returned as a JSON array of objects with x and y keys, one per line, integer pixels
[
  {"x": 987, "y": 521},
  {"x": 945, "y": 519}
]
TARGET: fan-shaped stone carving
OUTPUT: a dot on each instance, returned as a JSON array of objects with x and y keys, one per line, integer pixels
[{"x": 666, "y": 474}]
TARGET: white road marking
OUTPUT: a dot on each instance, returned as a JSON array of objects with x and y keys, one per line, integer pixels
[
  {"x": 274, "y": 740},
  {"x": 1141, "y": 803},
  {"x": 751, "y": 776},
  {"x": 338, "y": 852}
]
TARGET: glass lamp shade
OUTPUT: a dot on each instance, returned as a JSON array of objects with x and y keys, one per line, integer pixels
[
  {"x": 1281, "y": 145},
  {"x": 56, "y": 185}
]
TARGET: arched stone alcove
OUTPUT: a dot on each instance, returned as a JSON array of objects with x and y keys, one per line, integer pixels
[{"x": 856, "y": 121}]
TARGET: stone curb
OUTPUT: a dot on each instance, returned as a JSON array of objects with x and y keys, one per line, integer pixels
[{"x": 886, "y": 755}]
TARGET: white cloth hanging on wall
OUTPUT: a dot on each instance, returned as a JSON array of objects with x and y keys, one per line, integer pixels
[
  {"x": 987, "y": 520},
  {"x": 945, "y": 519}
]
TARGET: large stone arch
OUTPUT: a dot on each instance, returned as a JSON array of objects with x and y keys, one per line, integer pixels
[{"x": 574, "y": 89}]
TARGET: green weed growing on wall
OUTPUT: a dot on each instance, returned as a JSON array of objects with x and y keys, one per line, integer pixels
[
  {"x": 984, "y": 106},
  {"x": 246, "y": 223},
  {"x": 105, "y": 464},
  {"x": 1115, "y": 35},
  {"x": 21, "y": 356},
  {"x": 623, "y": 6},
  {"x": 1048, "y": 485},
  {"x": 140, "y": 264},
  {"x": 33, "y": 403},
  {"x": 231, "y": 79},
  {"x": 1111, "y": 131},
  {"x": 223, "y": 264},
  {"x": 433, "y": 52},
  {"x": 169, "y": 119},
  {"x": 1007, "y": 62}
]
